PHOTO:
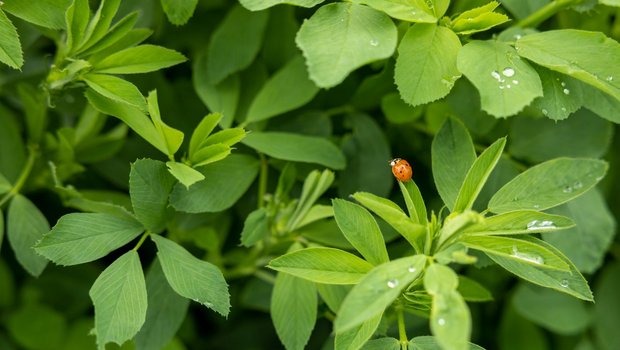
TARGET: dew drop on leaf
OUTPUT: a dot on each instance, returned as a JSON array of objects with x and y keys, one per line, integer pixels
[
  {"x": 536, "y": 206},
  {"x": 564, "y": 283},
  {"x": 516, "y": 82},
  {"x": 545, "y": 112},
  {"x": 563, "y": 84},
  {"x": 508, "y": 72},
  {"x": 533, "y": 258},
  {"x": 374, "y": 42},
  {"x": 563, "y": 109},
  {"x": 609, "y": 78},
  {"x": 441, "y": 322},
  {"x": 540, "y": 224},
  {"x": 567, "y": 189},
  {"x": 566, "y": 91},
  {"x": 412, "y": 269},
  {"x": 577, "y": 185},
  {"x": 496, "y": 75},
  {"x": 393, "y": 283}
]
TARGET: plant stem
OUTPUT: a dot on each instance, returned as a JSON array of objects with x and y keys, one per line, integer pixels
[
  {"x": 402, "y": 332},
  {"x": 545, "y": 12},
  {"x": 262, "y": 180},
  {"x": 23, "y": 176},
  {"x": 139, "y": 244}
]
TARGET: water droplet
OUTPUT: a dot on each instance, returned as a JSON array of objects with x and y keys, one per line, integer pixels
[
  {"x": 374, "y": 42},
  {"x": 536, "y": 206},
  {"x": 496, "y": 75},
  {"x": 564, "y": 283},
  {"x": 567, "y": 189},
  {"x": 545, "y": 112},
  {"x": 609, "y": 78},
  {"x": 393, "y": 283},
  {"x": 563, "y": 84},
  {"x": 412, "y": 269},
  {"x": 516, "y": 82},
  {"x": 517, "y": 36},
  {"x": 413, "y": 13},
  {"x": 563, "y": 109},
  {"x": 208, "y": 304},
  {"x": 540, "y": 225},
  {"x": 508, "y": 72},
  {"x": 501, "y": 87},
  {"x": 508, "y": 86},
  {"x": 447, "y": 83},
  {"x": 533, "y": 258},
  {"x": 577, "y": 185},
  {"x": 566, "y": 91},
  {"x": 441, "y": 322}
]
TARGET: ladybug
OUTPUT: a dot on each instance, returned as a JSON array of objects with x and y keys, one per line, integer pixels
[{"x": 401, "y": 169}]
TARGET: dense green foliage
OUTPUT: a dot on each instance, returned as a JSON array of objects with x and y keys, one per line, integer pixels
[{"x": 184, "y": 174}]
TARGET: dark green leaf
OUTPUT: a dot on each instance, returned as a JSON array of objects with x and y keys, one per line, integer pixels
[
  {"x": 412, "y": 11},
  {"x": 49, "y": 325},
  {"x": 382, "y": 344},
  {"x": 150, "y": 184},
  {"x": 255, "y": 228},
  {"x": 431, "y": 343},
  {"x": 100, "y": 22},
  {"x": 607, "y": 308},
  {"x": 562, "y": 94},
  {"x": 472, "y": 290},
  {"x": 25, "y": 226}
]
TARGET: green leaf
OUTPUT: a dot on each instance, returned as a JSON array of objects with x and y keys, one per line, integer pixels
[
  {"x": 562, "y": 94},
  {"x": 478, "y": 19},
  {"x": 452, "y": 154},
  {"x": 10, "y": 47},
  {"x": 79, "y": 238},
  {"x": 227, "y": 137},
  {"x": 505, "y": 82},
  {"x": 45, "y": 13},
  {"x": 333, "y": 294},
  {"x": 100, "y": 23},
  {"x": 450, "y": 318},
  {"x": 117, "y": 89},
  {"x": 603, "y": 104},
  {"x": 24, "y": 228},
  {"x": 548, "y": 184},
  {"x": 184, "y": 173},
  {"x": 375, "y": 292},
  {"x": 210, "y": 154},
  {"x": 556, "y": 312},
  {"x": 342, "y": 37},
  {"x": 296, "y": 148},
  {"x": 139, "y": 59},
  {"x": 49, "y": 325},
  {"x": 150, "y": 184},
  {"x": 76, "y": 19},
  {"x": 393, "y": 215},
  {"x": 179, "y": 12},
  {"x": 202, "y": 131},
  {"x": 406, "y": 10},
  {"x": 255, "y": 228},
  {"x": 361, "y": 230},
  {"x": 607, "y": 307},
  {"x": 235, "y": 43},
  {"x": 414, "y": 201},
  {"x": 119, "y": 297},
  {"x": 35, "y": 107},
  {"x": 357, "y": 336},
  {"x": 516, "y": 249},
  {"x": 397, "y": 111},
  {"x": 287, "y": 89},
  {"x": 569, "y": 282},
  {"x": 191, "y": 277},
  {"x": 587, "y": 242},
  {"x": 322, "y": 265},
  {"x": 426, "y": 65},
  {"x": 382, "y": 344},
  {"x": 520, "y": 222},
  {"x": 173, "y": 138},
  {"x": 120, "y": 31},
  {"x": 473, "y": 291},
  {"x": 315, "y": 185},
  {"x": 456, "y": 223},
  {"x": 225, "y": 182},
  {"x": 569, "y": 51},
  {"x": 166, "y": 311},
  {"x": 257, "y": 5},
  {"x": 477, "y": 176},
  {"x": 431, "y": 343}
]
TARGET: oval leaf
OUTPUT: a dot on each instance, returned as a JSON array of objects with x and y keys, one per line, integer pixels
[
  {"x": 150, "y": 184},
  {"x": 25, "y": 226},
  {"x": 520, "y": 222},
  {"x": 139, "y": 59},
  {"x": 10, "y": 47}
]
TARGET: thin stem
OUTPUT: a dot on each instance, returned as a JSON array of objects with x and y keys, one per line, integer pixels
[
  {"x": 139, "y": 244},
  {"x": 545, "y": 12},
  {"x": 21, "y": 180},
  {"x": 262, "y": 180},
  {"x": 402, "y": 331}
]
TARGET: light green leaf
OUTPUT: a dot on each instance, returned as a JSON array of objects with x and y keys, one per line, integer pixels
[
  {"x": 316, "y": 212},
  {"x": 25, "y": 226},
  {"x": 116, "y": 89},
  {"x": 431, "y": 343},
  {"x": 287, "y": 89},
  {"x": 100, "y": 23},
  {"x": 235, "y": 43},
  {"x": 179, "y": 12},
  {"x": 293, "y": 310},
  {"x": 382, "y": 344},
  {"x": 225, "y": 182},
  {"x": 333, "y": 294},
  {"x": 322, "y": 265},
  {"x": 477, "y": 175},
  {"x": 119, "y": 297},
  {"x": 202, "y": 131},
  {"x": 375, "y": 292},
  {"x": 10, "y": 47},
  {"x": 341, "y": 37},
  {"x": 520, "y": 222},
  {"x": 139, "y": 59},
  {"x": 79, "y": 238},
  {"x": 296, "y": 148},
  {"x": 562, "y": 94},
  {"x": 210, "y": 154},
  {"x": 516, "y": 249},
  {"x": 357, "y": 336},
  {"x": 166, "y": 311},
  {"x": 406, "y": 10},
  {"x": 76, "y": 19},
  {"x": 361, "y": 230},
  {"x": 191, "y": 277},
  {"x": 394, "y": 216},
  {"x": 587, "y": 242},
  {"x": 414, "y": 201},
  {"x": 452, "y": 154},
  {"x": 569, "y": 282},
  {"x": 257, "y": 5},
  {"x": 45, "y": 13},
  {"x": 184, "y": 173},
  {"x": 450, "y": 318},
  {"x": 478, "y": 19},
  {"x": 559, "y": 313},
  {"x": 548, "y": 184},
  {"x": 119, "y": 32},
  {"x": 255, "y": 228},
  {"x": 456, "y": 223},
  {"x": 227, "y": 137},
  {"x": 315, "y": 184},
  {"x": 505, "y": 82},
  {"x": 172, "y": 137},
  {"x": 150, "y": 184},
  {"x": 569, "y": 51},
  {"x": 426, "y": 65}
]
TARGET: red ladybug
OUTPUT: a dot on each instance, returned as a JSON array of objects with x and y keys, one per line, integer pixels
[{"x": 401, "y": 169}]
